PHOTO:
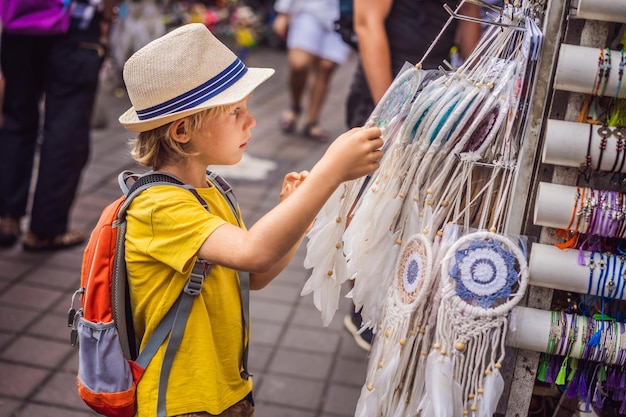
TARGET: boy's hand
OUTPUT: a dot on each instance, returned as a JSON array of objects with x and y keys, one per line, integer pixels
[
  {"x": 353, "y": 154},
  {"x": 292, "y": 181}
]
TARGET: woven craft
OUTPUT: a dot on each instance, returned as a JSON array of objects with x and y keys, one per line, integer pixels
[
  {"x": 390, "y": 378},
  {"x": 484, "y": 275}
]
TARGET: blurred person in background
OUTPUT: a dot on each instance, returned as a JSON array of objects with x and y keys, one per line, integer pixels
[
  {"x": 63, "y": 70},
  {"x": 313, "y": 49}
]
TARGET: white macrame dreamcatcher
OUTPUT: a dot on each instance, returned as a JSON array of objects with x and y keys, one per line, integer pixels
[
  {"x": 484, "y": 275},
  {"x": 325, "y": 248},
  {"x": 387, "y": 387}
]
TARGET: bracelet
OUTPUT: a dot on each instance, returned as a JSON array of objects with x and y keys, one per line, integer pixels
[
  {"x": 591, "y": 265},
  {"x": 604, "y": 131},
  {"x": 620, "y": 277},
  {"x": 554, "y": 333},
  {"x": 611, "y": 283},
  {"x": 602, "y": 276},
  {"x": 607, "y": 70},
  {"x": 576, "y": 199},
  {"x": 580, "y": 213},
  {"x": 585, "y": 168}
]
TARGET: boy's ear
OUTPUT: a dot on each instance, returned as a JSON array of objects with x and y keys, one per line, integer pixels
[{"x": 178, "y": 131}]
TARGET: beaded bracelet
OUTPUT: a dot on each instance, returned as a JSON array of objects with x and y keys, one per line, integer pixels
[
  {"x": 619, "y": 146},
  {"x": 554, "y": 332},
  {"x": 611, "y": 283},
  {"x": 585, "y": 168},
  {"x": 604, "y": 133},
  {"x": 563, "y": 337},
  {"x": 591, "y": 265},
  {"x": 580, "y": 213},
  {"x": 599, "y": 74},
  {"x": 574, "y": 210},
  {"x": 607, "y": 70},
  {"x": 602, "y": 277},
  {"x": 589, "y": 210}
]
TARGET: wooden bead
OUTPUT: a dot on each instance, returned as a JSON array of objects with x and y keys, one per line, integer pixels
[
  {"x": 473, "y": 408},
  {"x": 437, "y": 346},
  {"x": 338, "y": 245},
  {"x": 497, "y": 365},
  {"x": 480, "y": 390},
  {"x": 370, "y": 387},
  {"x": 381, "y": 364},
  {"x": 330, "y": 273},
  {"x": 338, "y": 219},
  {"x": 471, "y": 396},
  {"x": 398, "y": 241},
  {"x": 425, "y": 231},
  {"x": 487, "y": 371},
  {"x": 443, "y": 352},
  {"x": 460, "y": 346}
]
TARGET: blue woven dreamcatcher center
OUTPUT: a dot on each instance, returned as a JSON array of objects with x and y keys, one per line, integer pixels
[{"x": 484, "y": 273}]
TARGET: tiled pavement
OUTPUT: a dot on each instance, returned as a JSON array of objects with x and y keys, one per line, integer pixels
[{"x": 301, "y": 368}]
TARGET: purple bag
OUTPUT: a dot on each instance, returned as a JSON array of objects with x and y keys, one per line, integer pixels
[{"x": 35, "y": 17}]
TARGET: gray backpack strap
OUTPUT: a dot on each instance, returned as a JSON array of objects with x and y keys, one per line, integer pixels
[{"x": 244, "y": 277}]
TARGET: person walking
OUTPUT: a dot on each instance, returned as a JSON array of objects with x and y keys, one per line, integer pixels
[
  {"x": 314, "y": 51},
  {"x": 63, "y": 70},
  {"x": 189, "y": 117},
  {"x": 390, "y": 33}
]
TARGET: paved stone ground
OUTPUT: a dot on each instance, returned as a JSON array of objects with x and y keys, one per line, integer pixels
[{"x": 301, "y": 368}]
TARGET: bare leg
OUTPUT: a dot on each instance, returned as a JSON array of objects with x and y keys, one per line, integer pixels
[
  {"x": 319, "y": 89},
  {"x": 300, "y": 63}
]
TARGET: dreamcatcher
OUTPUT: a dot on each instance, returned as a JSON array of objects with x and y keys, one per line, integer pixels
[
  {"x": 390, "y": 383},
  {"x": 484, "y": 275},
  {"x": 325, "y": 251}
]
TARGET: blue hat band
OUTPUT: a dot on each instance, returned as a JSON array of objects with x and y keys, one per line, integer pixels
[{"x": 198, "y": 95}]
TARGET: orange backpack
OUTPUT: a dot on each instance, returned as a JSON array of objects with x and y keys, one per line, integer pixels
[{"x": 110, "y": 364}]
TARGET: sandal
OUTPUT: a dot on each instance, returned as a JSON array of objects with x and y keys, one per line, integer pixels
[
  {"x": 289, "y": 119},
  {"x": 9, "y": 231},
  {"x": 312, "y": 131},
  {"x": 34, "y": 243}
]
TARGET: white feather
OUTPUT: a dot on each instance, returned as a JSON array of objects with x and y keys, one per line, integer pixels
[{"x": 493, "y": 388}]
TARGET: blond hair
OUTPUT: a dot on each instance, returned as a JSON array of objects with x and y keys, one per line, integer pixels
[{"x": 155, "y": 148}]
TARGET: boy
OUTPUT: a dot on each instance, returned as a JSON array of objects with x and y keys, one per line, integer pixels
[{"x": 190, "y": 106}]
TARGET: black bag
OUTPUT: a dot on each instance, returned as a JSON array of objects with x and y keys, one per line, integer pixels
[{"x": 345, "y": 25}]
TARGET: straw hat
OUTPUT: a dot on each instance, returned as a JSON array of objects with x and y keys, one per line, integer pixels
[{"x": 181, "y": 73}]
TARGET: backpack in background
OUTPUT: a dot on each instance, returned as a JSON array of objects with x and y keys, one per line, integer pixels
[
  {"x": 35, "y": 17},
  {"x": 110, "y": 364},
  {"x": 345, "y": 25}
]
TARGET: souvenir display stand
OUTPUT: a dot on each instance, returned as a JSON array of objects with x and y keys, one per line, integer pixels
[
  {"x": 451, "y": 244},
  {"x": 574, "y": 153}
]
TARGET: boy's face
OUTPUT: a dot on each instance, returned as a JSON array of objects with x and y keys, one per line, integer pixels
[{"x": 223, "y": 138}]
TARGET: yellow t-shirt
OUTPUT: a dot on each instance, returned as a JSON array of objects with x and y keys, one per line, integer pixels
[{"x": 166, "y": 227}]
